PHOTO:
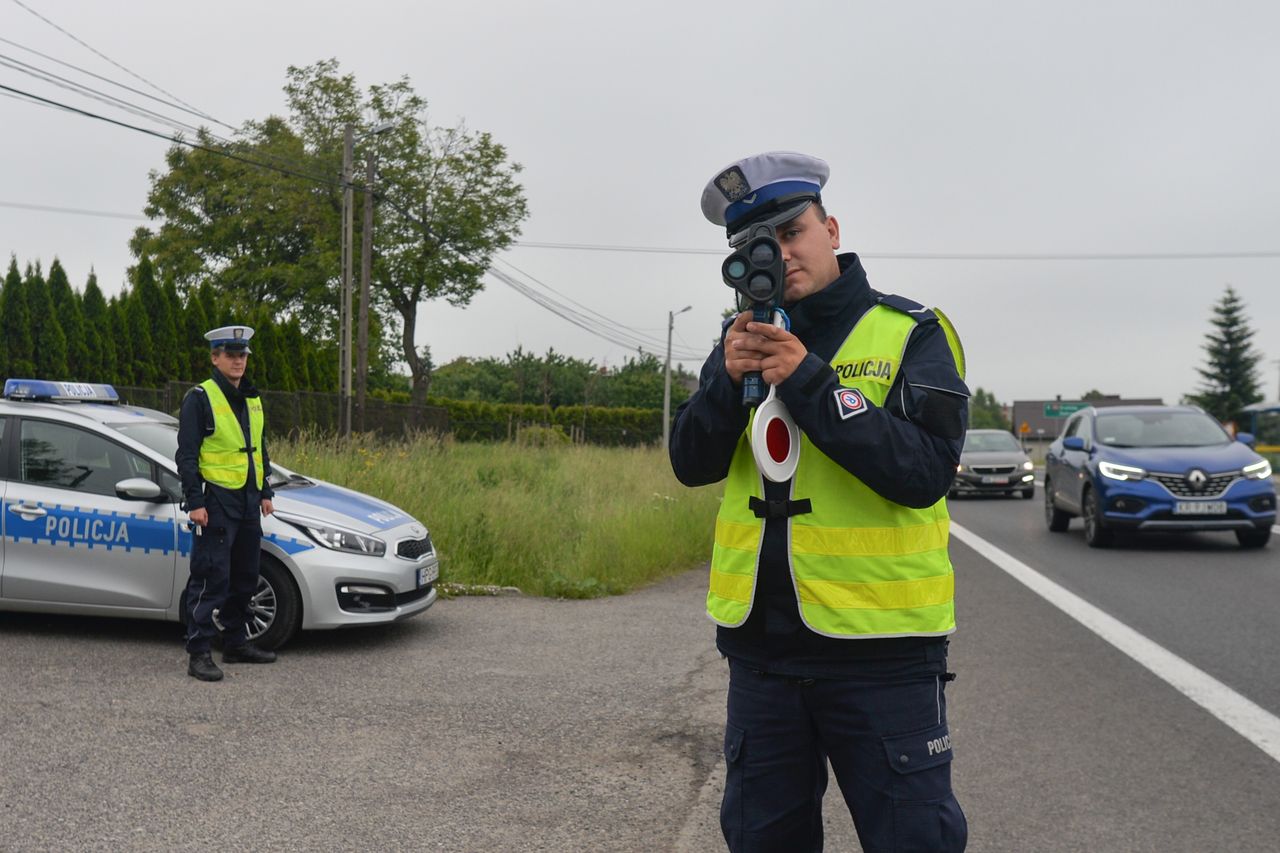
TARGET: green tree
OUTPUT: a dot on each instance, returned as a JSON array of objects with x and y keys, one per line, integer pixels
[
  {"x": 18, "y": 353},
  {"x": 195, "y": 349},
  {"x": 1230, "y": 377},
  {"x": 477, "y": 379},
  {"x": 165, "y": 356},
  {"x": 295, "y": 345},
  {"x": 47, "y": 335},
  {"x": 97, "y": 318},
  {"x": 66, "y": 305},
  {"x": 134, "y": 344},
  {"x": 986, "y": 412},
  {"x": 450, "y": 201},
  {"x": 638, "y": 384}
]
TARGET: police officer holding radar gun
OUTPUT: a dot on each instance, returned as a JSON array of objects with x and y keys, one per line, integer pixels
[
  {"x": 224, "y": 468},
  {"x": 830, "y": 581}
]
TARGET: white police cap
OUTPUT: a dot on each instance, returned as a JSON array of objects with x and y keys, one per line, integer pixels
[
  {"x": 230, "y": 338},
  {"x": 763, "y": 185}
]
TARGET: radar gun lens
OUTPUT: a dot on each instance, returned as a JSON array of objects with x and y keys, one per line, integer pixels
[
  {"x": 762, "y": 254},
  {"x": 760, "y": 286}
]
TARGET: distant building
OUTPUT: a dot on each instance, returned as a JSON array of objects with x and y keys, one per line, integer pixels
[{"x": 1042, "y": 420}]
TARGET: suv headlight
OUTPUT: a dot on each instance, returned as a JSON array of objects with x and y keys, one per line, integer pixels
[
  {"x": 338, "y": 538},
  {"x": 1258, "y": 470},
  {"x": 1120, "y": 472},
  {"x": 1028, "y": 466}
]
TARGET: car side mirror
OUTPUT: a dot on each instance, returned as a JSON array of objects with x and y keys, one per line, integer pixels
[
  {"x": 139, "y": 489},
  {"x": 1073, "y": 442},
  {"x": 1246, "y": 438}
]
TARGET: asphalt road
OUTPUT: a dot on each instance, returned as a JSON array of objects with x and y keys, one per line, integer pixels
[{"x": 518, "y": 723}]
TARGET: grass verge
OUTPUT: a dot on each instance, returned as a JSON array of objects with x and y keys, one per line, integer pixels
[{"x": 567, "y": 521}]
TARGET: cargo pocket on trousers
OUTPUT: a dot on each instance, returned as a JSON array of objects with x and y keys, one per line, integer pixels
[
  {"x": 924, "y": 808},
  {"x": 731, "y": 807}
]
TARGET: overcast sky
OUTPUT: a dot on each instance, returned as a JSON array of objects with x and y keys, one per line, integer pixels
[{"x": 952, "y": 128}]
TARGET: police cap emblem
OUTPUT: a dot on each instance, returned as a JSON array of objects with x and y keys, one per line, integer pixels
[{"x": 732, "y": 184}]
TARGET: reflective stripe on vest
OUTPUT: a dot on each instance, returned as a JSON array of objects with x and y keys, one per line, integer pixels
[
  {"x": 861, "y": 565},
  {"x": 223, "y": 460}
]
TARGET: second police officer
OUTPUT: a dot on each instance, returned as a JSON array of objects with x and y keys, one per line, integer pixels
[
  {"x": 832, "y": 591},
  {"x": 224, "y": 467}
]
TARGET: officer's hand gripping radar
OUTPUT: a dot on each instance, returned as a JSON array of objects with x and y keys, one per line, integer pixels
[{"x": 757, "y": 272}]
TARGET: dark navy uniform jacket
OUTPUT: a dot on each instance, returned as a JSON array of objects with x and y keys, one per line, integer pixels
[
  {"x": 195, "y": 421},
  {"x": 906, "y": 451}
]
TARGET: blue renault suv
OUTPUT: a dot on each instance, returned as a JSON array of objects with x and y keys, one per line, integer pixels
[{"x": 1156, "y": 468}]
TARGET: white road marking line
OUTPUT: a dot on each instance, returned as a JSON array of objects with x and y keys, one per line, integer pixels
[{"x": 1259, "y": 726}]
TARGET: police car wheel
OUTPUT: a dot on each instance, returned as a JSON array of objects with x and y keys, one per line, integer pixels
[{"x": 275, "y": 611}]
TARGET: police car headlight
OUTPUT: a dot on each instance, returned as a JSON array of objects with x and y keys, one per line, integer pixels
[
  {"x": 339, "y": 539},
  {"x": 1120, "y": 472},
  {"x": 1258, "y": 470},
  {"x": 347, "y": 540}
]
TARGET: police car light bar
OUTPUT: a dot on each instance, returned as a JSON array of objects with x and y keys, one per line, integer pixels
[{"x": 59, "y": 392}]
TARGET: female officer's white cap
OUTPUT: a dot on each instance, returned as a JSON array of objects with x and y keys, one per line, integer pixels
[
  {"x": 761, "y": 184},
  {"x": 229, "y": 338}
]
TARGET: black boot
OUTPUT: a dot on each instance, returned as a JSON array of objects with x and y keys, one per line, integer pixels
[
  {"x": 202, "y": 667},
  {"x": 248, "y": 653}
]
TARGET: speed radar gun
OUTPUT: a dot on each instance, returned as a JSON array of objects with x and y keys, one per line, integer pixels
[{"x": 757, "y": 272}]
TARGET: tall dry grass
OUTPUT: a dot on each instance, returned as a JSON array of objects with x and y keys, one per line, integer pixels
[{"x": 562, "y": 520}]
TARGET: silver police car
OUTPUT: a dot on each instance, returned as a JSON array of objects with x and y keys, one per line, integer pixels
[{"x": 91, "y": 525}]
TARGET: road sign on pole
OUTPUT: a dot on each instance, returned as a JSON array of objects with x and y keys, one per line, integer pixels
[{"x": 1062, "y": 410}]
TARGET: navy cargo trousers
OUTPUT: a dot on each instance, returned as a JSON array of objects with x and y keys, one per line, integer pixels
[
  {"x": 224, "y": 577},
  {"x": 885, "y": 734}
]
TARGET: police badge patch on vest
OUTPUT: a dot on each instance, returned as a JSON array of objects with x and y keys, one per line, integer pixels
[{"x": 849, "y": 402}]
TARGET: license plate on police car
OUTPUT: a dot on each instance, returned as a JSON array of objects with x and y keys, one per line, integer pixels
[
  {"x": 993, "y": 479},
  {"x": 427, "y": 574},
  {"x": 1200, "y": 508}
]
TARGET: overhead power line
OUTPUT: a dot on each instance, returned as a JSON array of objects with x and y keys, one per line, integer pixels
[
  {"x": 928, "y": 256},
  {"x": 578, "y": 320},
  {"x": 102, "y": 55},
  {"x": 176, "y": 140},
  {"x": 116, "y": 83},
  {"x": 89, "y": 92},
  {"x": 147, "y": 113},
  {"x": 937, "y": 256},
  {"x": 592, "y": 321},
  {"x": 46, "y": 208}
]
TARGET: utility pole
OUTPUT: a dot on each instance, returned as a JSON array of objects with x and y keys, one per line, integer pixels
[
  {"x": 666, "y": 380},
  {"x": 344, "y": 309},
  {"x": 366, "y": 272}
]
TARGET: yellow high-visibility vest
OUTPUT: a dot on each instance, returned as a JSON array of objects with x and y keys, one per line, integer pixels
[
  {"x": 862, "y": 566},
  {"x": 223, "y": 457}
]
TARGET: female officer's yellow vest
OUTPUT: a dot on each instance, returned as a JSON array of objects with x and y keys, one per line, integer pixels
[
  {"x": 861, "y": 565},
  {"x": 223, "y": 460}
]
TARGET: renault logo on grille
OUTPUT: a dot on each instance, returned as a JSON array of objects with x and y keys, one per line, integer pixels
[{"x": 1197, "y": 479}]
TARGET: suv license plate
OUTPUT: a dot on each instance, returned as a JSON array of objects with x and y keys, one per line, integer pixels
[
  {"x": 1200, "y": 508},
  {"x": 990, "y": 479},
  {"x": 427, "y": 574}
]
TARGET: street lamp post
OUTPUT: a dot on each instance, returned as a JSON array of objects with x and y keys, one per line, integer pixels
[{"x": 666, "y": 380}]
